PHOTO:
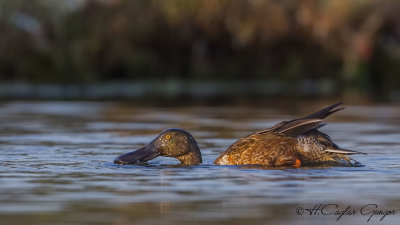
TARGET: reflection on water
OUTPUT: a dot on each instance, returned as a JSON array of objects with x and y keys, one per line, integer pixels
[{"x": 56, "y": 167}]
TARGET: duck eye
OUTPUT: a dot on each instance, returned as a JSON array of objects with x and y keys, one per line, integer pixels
[{"x": 168, "y": 136}]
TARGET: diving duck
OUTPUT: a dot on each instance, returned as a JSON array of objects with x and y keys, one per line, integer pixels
[{"x": 292, "y": 143}]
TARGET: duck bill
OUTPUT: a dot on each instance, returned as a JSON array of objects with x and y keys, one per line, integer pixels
[{"x": 143, "y": 154}]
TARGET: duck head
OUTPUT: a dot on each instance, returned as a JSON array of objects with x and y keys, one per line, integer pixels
[{"x": 173, "y": 142}]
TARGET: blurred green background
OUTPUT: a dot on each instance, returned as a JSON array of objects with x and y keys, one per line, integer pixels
[{"x": 113, "y": 49}]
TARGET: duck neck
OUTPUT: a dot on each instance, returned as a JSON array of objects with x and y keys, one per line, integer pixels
[{"x": 191, "y": 158}]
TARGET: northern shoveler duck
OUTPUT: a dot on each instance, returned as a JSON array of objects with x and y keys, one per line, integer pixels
[
  {"x": 294, "y": 143},
  {"x": 172, "y": 142}
]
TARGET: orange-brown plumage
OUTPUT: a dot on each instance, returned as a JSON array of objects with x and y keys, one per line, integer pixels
[{"x": 289, "y": 143}]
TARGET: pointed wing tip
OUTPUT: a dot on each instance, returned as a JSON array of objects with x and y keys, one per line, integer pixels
[
  {"x": 336, "y": 104},
  {"x": 325, "y": 112},
  {"x": 335, "y": 110}
]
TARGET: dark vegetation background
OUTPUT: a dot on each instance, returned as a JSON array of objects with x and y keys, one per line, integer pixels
[{"x": 107, "y": 49}]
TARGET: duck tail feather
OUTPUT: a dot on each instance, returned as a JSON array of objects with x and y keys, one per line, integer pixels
[{"x": 344, "y": 151}]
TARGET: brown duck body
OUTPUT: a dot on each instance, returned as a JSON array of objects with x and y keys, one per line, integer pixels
[{"x": 289, "y": 143}]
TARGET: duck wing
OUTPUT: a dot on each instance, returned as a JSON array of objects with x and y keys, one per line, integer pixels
[
  {"x": 294, "y": 128},
  {"x": 302, "y": 125},
  {"x": 298, "y": 127}
]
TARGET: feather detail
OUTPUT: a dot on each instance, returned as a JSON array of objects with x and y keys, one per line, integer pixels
[
  {"x": 344, "y": 151},
  {"x": 321, "y": 114},
  {"x": 298, "y": 127},
  {"x": 325, "y": 112}
]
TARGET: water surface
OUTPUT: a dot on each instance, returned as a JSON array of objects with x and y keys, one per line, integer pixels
[{"x": 56, "y": 167}]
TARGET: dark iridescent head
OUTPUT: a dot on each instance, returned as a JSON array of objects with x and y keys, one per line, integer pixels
[{"x": 172, "y": 142}]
